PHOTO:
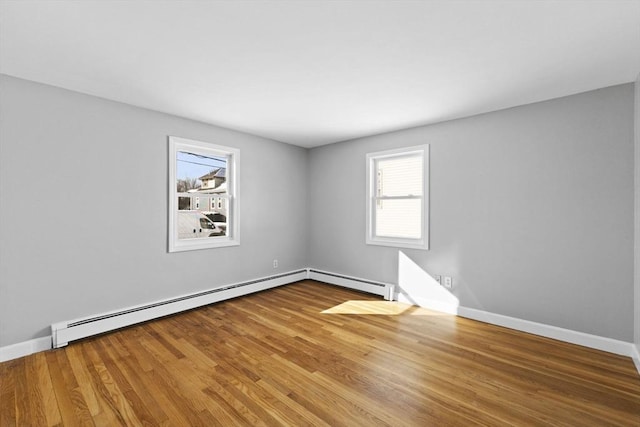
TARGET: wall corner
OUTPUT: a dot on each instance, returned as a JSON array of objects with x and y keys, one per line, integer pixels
[{"x": 636, "y": 227}]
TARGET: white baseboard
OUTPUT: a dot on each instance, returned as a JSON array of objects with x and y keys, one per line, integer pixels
[
  {"x": 62, "y": 333},
  {"x": 636, "y": 356},
  {"x": 622, "y": 348},
  {"x": 385, "y": 290},
  {"x": 25, "y": 348},
  {"x": 70, "y": 330}
]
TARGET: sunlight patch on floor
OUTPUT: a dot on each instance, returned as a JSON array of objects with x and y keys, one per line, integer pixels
[
  {"x": 389, "y": 308},
  {"x": 368, "y": 307}
]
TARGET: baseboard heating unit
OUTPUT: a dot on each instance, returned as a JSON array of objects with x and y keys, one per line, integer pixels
[
  {"x": 63, "y": 332},
  {"x": 377, "y": 288}
]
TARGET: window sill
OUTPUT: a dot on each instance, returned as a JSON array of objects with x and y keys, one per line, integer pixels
[{"x": 398, "y": 243}]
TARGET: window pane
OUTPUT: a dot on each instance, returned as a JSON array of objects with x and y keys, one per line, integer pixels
[
  {"x": 399, "y": 176},
  {"x": 201, "y": 181},
  {"x": 399, "y": 218}
]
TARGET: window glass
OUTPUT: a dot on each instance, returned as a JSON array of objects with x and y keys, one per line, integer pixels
[
  {"x": 397, "y": 199},
  {"x": 400, "y": 176},
  {"x": 399, "y": 218}
]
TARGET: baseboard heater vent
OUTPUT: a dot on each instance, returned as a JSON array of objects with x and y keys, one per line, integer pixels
[
  {"x": 378, "y": 288},
  {"x": 63, "y": 332}
]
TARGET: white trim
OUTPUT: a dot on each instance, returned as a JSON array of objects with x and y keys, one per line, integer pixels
[
  {"x": 610, "y": 345},
  {"x": 397, "y": 242},
  {"x": 636, "y": 356},
  {"x": 566, "y": 335},
  {"x": 636, "y": 222},
  {"x": 233, "y": 190},
  {"x": 385, "y": 290},
  {"x": 25, "y": 348},
  {"x": 69, "y": 330}
]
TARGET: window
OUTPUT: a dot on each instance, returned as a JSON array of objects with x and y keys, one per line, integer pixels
[
  {"x": 397, "y": 198},
  {"x": 202, "y": 171}
]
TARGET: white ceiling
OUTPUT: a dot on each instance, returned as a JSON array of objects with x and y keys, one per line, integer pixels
[{"x": 315, "y": 72}]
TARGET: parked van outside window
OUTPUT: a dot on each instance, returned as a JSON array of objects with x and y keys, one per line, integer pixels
[{"x": 194, "y": 225}]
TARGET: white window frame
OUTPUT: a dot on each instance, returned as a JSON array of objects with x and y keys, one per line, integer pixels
[
  {"x": 232, "y": 237},
  {"x": 373, "y": 198}
]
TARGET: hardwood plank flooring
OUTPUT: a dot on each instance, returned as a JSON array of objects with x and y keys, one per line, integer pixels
[{"x": 317, "y": 355}]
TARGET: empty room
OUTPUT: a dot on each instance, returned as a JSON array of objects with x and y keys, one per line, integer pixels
[{"x": 319, "y": 213}]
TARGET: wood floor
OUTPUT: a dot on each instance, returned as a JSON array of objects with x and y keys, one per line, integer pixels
[{"x": 313, "y": 354}]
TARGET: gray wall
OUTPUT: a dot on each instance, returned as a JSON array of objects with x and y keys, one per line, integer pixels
[
  {"x": 83, "y": 215},
  {"x": 531, "y": 210},
  {"x": 637, "y": 216}
]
